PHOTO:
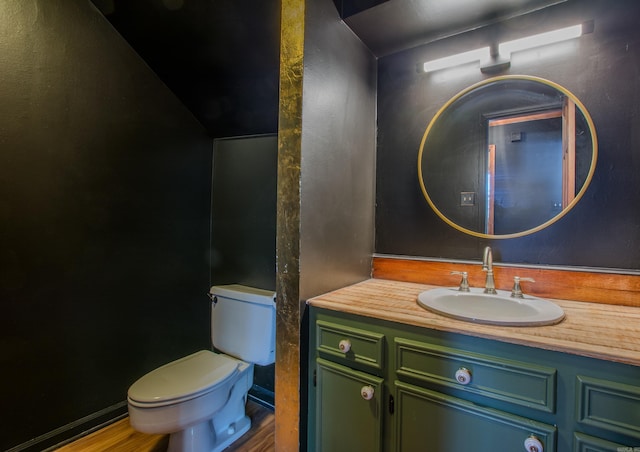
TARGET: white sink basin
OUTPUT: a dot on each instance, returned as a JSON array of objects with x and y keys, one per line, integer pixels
[{"x": 501, "y": 309}]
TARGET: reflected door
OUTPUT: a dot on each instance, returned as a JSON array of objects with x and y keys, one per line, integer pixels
[{"x": 525, "y": 171}]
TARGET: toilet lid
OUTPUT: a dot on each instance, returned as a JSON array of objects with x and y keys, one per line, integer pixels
[{"x": 183, "y": 379}]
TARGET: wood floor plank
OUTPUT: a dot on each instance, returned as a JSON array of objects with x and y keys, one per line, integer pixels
[{"x": 121, "y": 437}]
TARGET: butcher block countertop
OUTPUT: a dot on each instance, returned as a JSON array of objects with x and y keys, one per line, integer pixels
[{"x": 595, "y": 330}]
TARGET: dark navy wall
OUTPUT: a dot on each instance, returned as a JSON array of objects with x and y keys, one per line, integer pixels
[
  {"x": 602, "y": 69},
  {"x": 104, "y": 220}
]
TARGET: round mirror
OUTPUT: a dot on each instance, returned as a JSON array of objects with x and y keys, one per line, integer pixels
[{"x": 507, "y": 157}]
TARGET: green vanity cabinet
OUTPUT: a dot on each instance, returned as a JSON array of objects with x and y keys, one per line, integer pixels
[
  {"x": 376, "y": 385},
  {"x": 348, "y": 420},
  {"x": 431, "y": 421},
  {"x": 586, "y": 443},
  {"x": 349, "y": 387},
  {"x": 432, "y": 418}
]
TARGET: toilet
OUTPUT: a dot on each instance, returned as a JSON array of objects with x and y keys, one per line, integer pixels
[{"x": 200, "y": 400}]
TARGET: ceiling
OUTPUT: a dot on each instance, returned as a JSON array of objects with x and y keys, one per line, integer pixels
[
  {"x": 396, "y": 25},
  {"x": 221, "y": 57}
]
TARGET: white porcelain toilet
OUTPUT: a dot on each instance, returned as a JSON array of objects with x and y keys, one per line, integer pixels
[{"x": 200, "y": 399}]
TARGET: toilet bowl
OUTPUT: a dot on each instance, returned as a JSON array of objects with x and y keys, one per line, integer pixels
[
  {"x": 200, "y": 400},
  {"x": 185, "y": 398}
]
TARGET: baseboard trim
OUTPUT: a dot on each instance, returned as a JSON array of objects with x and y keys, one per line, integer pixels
[
  {"x": 73, "y": 430},
  {"x": 262, "y": 396}
]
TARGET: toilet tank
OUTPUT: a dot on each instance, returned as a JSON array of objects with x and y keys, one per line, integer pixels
[{"x": 243, "y": 323}]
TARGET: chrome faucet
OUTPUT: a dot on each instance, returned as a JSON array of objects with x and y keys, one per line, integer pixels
[{"x": 487, "y": 266}]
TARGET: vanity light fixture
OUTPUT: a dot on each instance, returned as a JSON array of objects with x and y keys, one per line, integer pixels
[
  {"x": 492, "y": 61},
  {"x": 505, "y": 49},
  {"x": 472, "y": 56}
]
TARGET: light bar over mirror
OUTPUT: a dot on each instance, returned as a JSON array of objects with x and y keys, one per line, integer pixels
[
  {"x": 505, "y": 49},
  {"x": 499, "y": 60},
  {"x": 473, "y": 56}
]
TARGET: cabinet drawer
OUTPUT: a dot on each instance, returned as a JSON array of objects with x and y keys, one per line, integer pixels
[
  {"x": 610, "y": 406},
  {"x": 586, "y": 443},
  {"x": 429, "y": 421},
  {"x": 361, "y": 347},
  {"x": 515, "y": 382}
]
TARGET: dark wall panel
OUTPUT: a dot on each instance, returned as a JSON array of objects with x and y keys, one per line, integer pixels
[
  {"x": 338, "y": 154},
  {"x": 104, "y": 219},
  {"x": 243, "y": 220},
  {"x": 602, "y": 69}
]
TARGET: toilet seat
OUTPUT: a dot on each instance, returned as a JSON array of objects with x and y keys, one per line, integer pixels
[{"x": 183, "y": 379}]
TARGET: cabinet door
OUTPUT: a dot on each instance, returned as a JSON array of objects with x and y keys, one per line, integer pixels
[
  {"x": 586, "y": 443},
  {"x": 429, "y": 421},
  {"x": 347, "y": 421}
]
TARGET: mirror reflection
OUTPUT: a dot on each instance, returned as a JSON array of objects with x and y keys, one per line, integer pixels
[{"x": 507, "y": 157}]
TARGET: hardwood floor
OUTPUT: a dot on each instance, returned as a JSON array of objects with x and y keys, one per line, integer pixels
[{"x": 120, "y": 437}]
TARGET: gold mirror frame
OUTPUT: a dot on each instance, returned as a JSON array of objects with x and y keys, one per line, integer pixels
[{"x": 552, "y": 220}]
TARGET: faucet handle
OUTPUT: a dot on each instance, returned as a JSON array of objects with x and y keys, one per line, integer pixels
[
  {"x": 516, "y": 292},
  {"x": 464, "y": 283}
]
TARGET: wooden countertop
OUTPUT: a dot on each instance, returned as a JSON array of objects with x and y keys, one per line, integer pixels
[{"x": 595, "y": 330}]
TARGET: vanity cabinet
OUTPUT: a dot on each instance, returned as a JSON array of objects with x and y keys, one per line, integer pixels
[
  {"x": 349, "y": 387},
  {"x": 426, "y": 377},
  {"x": 376, "y": 385},
  {"x": 349, "y": 408},
  {"x": 432, "y": 421}
]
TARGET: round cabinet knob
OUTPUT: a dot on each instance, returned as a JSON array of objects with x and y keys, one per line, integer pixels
[
  {"x": 367, "y": 392},
  {"x": 344, "y": 345},
  {"x": 463, "y": 376},
  {"x": 533, "y": 444}
]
